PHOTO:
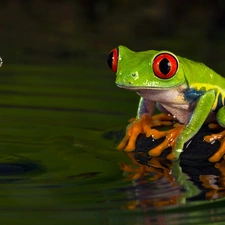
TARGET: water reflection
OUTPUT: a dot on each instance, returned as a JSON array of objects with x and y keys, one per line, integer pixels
[
  {"x": 158, "y": 183},
  {"x": 154, "y": 184},
  {"x": 214, "y": 184}
]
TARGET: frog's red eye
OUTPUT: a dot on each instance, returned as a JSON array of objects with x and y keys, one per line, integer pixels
[
  {"x": 165, "y": 65},
  {"x": 112, "y": 60}
]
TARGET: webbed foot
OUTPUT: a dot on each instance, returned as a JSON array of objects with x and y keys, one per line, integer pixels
[
  {"x": 221, "y": 151},
  {"x": 144, "y": 126},
  {"x": 169, "y": 141}
]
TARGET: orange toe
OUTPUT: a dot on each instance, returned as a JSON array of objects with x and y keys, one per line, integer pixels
[
  {"x": 134, "y": 129},
  {"x": 169, "y": 141},
  {"x": 144, "y": 126},
  {"x": 221, "y": 151}
]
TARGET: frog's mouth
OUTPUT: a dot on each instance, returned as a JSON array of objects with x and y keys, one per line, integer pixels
[{"x": 143, "y": 88}]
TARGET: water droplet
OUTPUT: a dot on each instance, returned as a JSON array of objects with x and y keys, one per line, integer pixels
[{"x": 188, "y": 143}]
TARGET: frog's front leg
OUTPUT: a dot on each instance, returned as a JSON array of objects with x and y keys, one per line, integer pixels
[
  {"x": 143, "y": 124},
  {"x": 201, "y": 111}
]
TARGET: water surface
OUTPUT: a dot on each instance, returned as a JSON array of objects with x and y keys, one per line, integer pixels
[{"x": 58, "y": 131}]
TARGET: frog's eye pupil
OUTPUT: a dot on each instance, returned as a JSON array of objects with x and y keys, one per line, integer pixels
[
  {"x": 109, "y": 59},
  {"x": 112, "y": 60},
  {"x": 165, "y": 66}
]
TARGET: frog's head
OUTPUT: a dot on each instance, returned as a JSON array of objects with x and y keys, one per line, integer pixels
[{"x": 145, "y": 70}]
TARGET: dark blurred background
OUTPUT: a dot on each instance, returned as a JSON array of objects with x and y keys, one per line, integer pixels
[{"x": 70, "y": 31}]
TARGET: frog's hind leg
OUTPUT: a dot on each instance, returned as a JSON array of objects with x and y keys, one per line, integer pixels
[{"x": 219, "y": 136}]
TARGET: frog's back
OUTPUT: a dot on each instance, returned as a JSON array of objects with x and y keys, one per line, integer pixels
[{"x": 199, "y": 76}]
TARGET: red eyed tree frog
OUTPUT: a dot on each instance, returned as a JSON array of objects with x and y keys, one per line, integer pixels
[{"x": 181, "y": 89}]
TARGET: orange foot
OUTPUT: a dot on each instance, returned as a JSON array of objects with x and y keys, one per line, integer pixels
[
  {"x": 143, "y": 126},
  {"x": 170, "y": 140},
  {"x": 221, "y": 151}
]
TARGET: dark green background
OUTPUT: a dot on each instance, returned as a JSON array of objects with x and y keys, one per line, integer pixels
[
  {"x": 42, "y": 31},
  {"x": 58, "y": 100}
]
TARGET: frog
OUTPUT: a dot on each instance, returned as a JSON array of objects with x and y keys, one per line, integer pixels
[{"x": 180, "y": 89}]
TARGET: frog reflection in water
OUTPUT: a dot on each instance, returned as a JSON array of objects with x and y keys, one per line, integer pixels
[
  {"x": 156, "y": 185},
  {"x": 153, "y": 183},
  {"x": 183, "y": 90}
]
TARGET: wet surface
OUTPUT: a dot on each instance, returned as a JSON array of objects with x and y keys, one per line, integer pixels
[{"x": 58, "y": 160}]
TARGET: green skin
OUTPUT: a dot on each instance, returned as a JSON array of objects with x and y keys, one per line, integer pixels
[{"x": 194, "y": 95}]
